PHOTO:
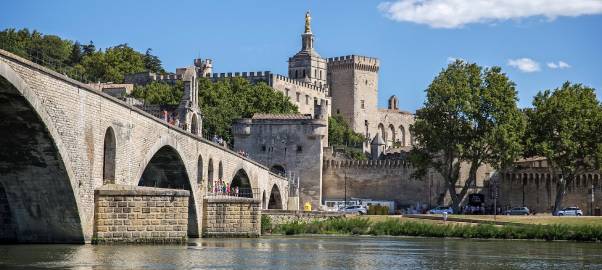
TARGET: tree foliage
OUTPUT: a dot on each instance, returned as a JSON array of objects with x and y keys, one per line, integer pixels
[
  {"x": 341, "y": 134},
  {"x": 81, "y": 62},
  {"x": 223, "y": 101},
  {"x": 160, "y": 93},
  {"x": 564, "y": 126},
  {"x": 470, "y": 117}
]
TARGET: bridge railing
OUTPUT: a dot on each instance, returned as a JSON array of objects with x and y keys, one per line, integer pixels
[{"x": 221, "y": 192}]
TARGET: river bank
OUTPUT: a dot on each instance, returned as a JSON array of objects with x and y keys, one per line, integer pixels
[{"x": 399, "y": 227}]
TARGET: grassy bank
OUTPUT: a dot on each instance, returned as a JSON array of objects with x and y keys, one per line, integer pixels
[{"x": 397, "y": 227}]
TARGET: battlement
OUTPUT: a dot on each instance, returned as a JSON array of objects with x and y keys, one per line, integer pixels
[
  {"x": 366, "y": 164},
  {"x": 147, "y": 77},
  {"x": 354, "y": 62},
  {"x": 249, "y": 75},
  {"x": 323, "y": 89}
]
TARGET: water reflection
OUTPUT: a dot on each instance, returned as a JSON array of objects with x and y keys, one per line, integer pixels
[{"x": 310, "y": 253}]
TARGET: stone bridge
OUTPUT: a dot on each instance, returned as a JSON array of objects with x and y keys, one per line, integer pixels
[{"x": 60, "y": 140}]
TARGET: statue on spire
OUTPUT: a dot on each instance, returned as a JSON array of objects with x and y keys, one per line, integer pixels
[{"x": 307, "y": 22}]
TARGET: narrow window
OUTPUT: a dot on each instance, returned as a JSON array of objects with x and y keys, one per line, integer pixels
[
  {"x": 299, "y": 148},
  {"x": 307, "y": 99},
  {"x": 362, "y": 104},
  {"x": 287, "y": 90},
  {"x": 298, "y": 97}
]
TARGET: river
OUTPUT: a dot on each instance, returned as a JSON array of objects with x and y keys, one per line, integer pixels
[{"x": 315, "y": 252}]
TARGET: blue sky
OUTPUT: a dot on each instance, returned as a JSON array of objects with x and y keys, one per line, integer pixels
[{"x": 413, "y": 39}]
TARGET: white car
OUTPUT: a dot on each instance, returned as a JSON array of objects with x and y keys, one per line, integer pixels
[
  {"x": 440, "y": 210},
  {"x": 355, "y": 209},
  {"x": 570, "y": 211}
]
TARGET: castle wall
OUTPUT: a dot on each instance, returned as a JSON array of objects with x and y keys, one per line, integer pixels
[
  {"x": 536, "y": 189},
  {"x": 306, "y": 96},
  {"x": 293, "y": 144},
  {"x": 379, "y": 180}
]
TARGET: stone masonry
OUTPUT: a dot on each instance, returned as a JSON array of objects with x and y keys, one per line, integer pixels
[
  {"x": 53, "y": 140},
  {"x": 231, "y": 217},
  {"x": 130, "y": 214}
]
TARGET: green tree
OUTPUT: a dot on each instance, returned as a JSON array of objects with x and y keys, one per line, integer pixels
[
  {"x": 470, "y": 117},
  {"x": 340, "y": 134},
  {"x": 152, "y": 62},
  {"x": 160, "y": 93},
  {"x": 230, "y": 99},
  {"x": 564, "y": 126}
]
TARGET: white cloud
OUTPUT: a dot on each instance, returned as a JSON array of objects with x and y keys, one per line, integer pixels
[
  {"x": 559, "y": 65},
  {"x": 457, "y": 13},
  {"x": 524, "y": 64}
]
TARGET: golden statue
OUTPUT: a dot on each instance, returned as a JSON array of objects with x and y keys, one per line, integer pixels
[{"x": 307, "y": 22}]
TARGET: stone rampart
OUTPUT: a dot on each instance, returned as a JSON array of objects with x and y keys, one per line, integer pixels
[
  {"x": 231, "y": 217},
  {"x": 132, "y": 214}
]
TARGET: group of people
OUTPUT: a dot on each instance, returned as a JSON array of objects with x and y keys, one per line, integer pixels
[
  {"x": 219, "y": 187},
  {"x": 243, "y": 153},
  {"x": 219, "y": 140},
  {"x": 171, "y": 118}
]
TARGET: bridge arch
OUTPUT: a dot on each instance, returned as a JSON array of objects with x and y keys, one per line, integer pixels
[
  {"x": 243, "y": 182},
  {"x": 34, "y": 167},
  {"x": 166, "y": 169},
  {"x": 275, "y": 198},
  {"x": 109, "y": 152}
]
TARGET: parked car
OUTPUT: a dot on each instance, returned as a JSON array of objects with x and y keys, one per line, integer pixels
[
  {"x": 355, "y": 209},
  {"x": 441, "y": 210},
  {"x": 518, "y": 211},
  {"x": 570, "y": 211}
]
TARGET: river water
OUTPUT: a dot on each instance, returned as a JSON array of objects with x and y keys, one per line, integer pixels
[{"x": 310, "y": 253}]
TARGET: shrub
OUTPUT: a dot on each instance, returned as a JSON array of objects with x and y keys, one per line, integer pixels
[{"x": 266, "y": 224}]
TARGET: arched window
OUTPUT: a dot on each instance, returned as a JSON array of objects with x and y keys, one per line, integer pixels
[
  {"x": 200, "y": 170},
  {"x": 392, "y": 132},
  {"x": 210, "y": 170},
  {"x": 220, "y": 171},
  {"x": 381, "y": 130},
  {"x": 402, "y": 135},
  {"x": 194, "y": 125},
  {"x": 108, "y": 168}
]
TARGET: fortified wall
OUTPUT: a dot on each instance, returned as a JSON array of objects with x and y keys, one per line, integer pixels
[
  {"x": 379, "y": 180},
  {"x": 530, "y": 184}
]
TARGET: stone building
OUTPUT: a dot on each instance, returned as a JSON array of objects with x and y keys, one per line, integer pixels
[{"x": 290, "y": 145}]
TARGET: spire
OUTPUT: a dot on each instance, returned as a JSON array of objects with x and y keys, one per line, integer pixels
[{"x": 307, "y": 22}]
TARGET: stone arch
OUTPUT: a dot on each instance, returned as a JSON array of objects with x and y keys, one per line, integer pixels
[
  {"x": 194, "y": 125},
  {"x": 381, "y": 130},
  {"x": 220, "y": 171},
  {"x": 109, "y": 152},
  {"x": 34, "y": 167},
  {"x": 210, "y": 171},
  {"x": 199, "y": 171},
  {"x": 243, "y": 182},
  {"x": 402, "y": 135},
  {"x": 392, "y": 137},
  {"x": 278, "y": 169},
  {"x": 166, "y": 169},
  {"x": 275, "y": 198}
]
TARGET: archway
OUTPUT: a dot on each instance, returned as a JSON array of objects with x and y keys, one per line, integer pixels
[
  {"x": 199, "y": 172},
  {"x": 383, "y": 134},
  {"x": 392, "y": 131},
  {"x": 33, "y": 176},
  {"x": 278, "y": 169},
  {"x": 167, "y": 170},
  {"x": 402, "y": 135},
  {"x": 108, "y": 166},
  {"x": 194, "y": 125},
  {"x": 242, "y": 181},
  {"x": 275, "y": 198},
  {"x": 220, "y": 171}
]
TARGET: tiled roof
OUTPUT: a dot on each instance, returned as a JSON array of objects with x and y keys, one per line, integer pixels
[{"x": 273, "y": 116}]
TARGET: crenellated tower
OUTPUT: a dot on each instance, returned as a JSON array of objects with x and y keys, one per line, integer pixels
[{"x": 353, "y": 83}]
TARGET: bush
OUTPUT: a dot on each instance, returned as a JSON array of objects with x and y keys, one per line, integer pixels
[
  {"x": 266, "y": 224},
  {"x": 396, "y": 227},
  {"x": 378, "y": 210}
]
